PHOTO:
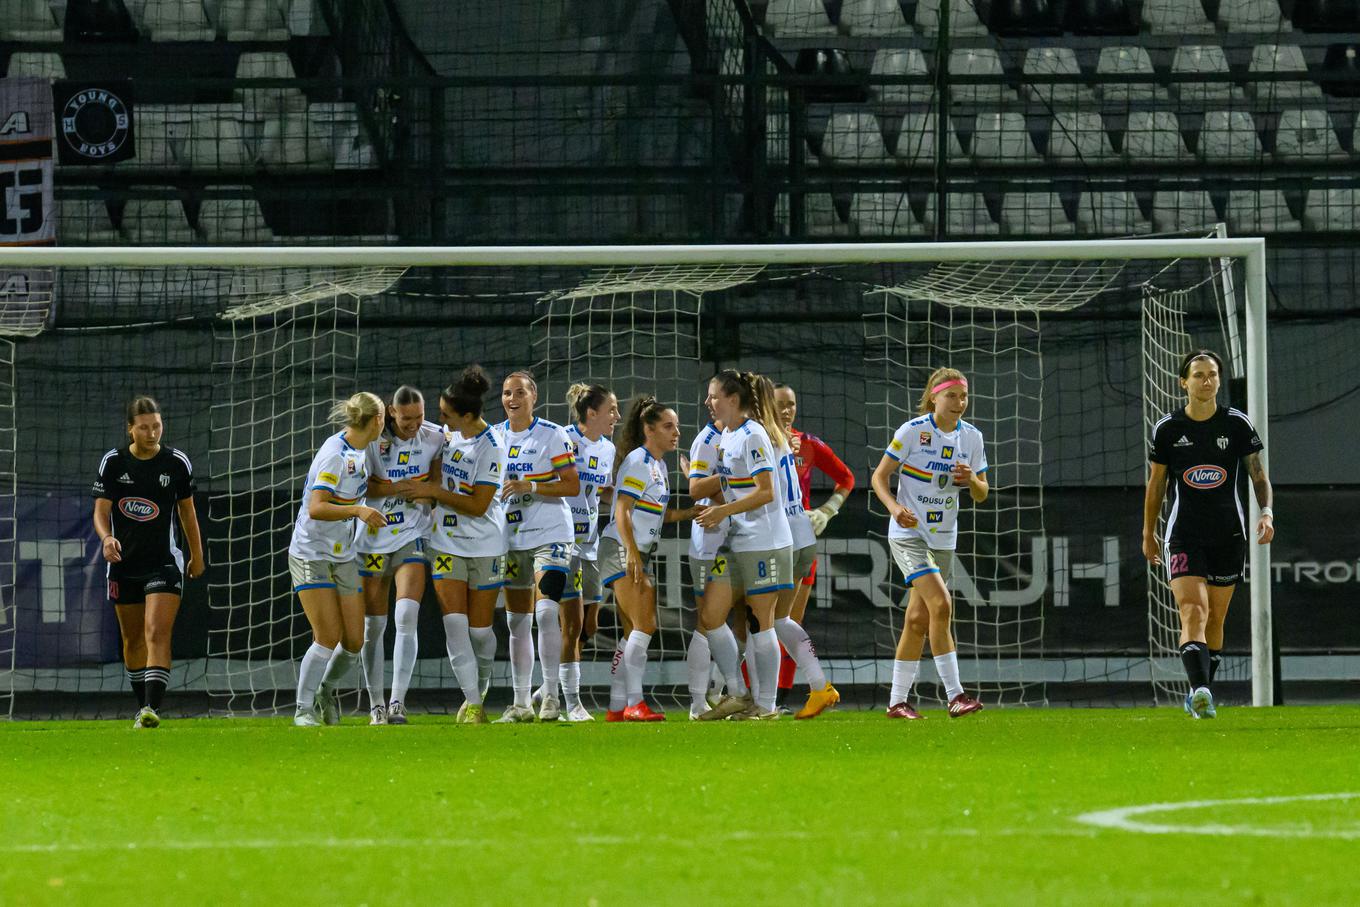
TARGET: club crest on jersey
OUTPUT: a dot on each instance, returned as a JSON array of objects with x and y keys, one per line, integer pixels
[
  {"x": 942, "y": 480},
  {"x": 925, "y": 439},
  {"x": 403, "y": 458},
  {"x": 349, "y": 467},
  {"x": 384, "y": 448},
  {"x": 139, "y": 509},
  {"x": 947, "y": 451},
  {"x": 1205, "y": 476},
  {"x": 165, "y": 480},
  {"x": 1222, "y": 443}
]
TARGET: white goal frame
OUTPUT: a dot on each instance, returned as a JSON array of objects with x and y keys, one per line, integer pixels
[{"x": 1252, "y": 250}]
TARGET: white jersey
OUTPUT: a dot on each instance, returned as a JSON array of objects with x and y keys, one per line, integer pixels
[
  {"x": 535, "y": 455},
  {"x": 595, "y": 466},
  {"x": 926, "y": 457},
  {"x": 396, "y": 460},
  {"x": 744, "y": 453},
  {"x": 642, "y": 477},
  {"x": 790, "y": 494},
  {"x": 343, "y": 471},
  {"x": 703, "y": 462},
  {"x": 465, "y": 464}
]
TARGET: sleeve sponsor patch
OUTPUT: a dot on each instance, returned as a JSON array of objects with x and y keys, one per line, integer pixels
[
  {"x": 634, "y": 483},
  {"x": 327, "y": 477},
  {"x": 895, "y": 445}
]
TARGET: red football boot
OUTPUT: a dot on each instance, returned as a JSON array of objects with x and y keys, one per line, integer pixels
[
  {"x": 615, "y": 716},
  {"x": 642, "y": 712},
  {"x": 904, "y": 710},
  {"x": 963, "y": 704}
]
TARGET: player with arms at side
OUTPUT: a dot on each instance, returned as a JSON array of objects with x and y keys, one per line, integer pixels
[
  {"x": 936, "y": 455},
  {"x": 321, "y": 556},
  {"x": 139, "y": 492},
  {"x": 405, "y": 452},
  {"x": 1198, "y": 452},
  {"x": 707, "y": 566}
]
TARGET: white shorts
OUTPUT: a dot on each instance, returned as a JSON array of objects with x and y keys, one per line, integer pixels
[
  {"x": 758, "y": 572},
  {"x": 522, "y": 566},
  {"x": 343, "y": 577},
  {"x": 915, "y": 559},
  {"x": 384, "y": 565},
  {"x": 478, "y": 572}
]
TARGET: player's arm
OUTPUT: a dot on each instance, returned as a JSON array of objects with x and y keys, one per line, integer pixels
[
  {"x": 702, "y": 483},
  {"x": 473, "y": 504},
  {"x": 881, "y": 482},
  {"x": 103, "y": 527},
  {"x": 1265, "y": 496},
  {"x": 321, "y": 507},
  {"x": 976, "y": 482},
  {"x": 834, "y": 468},
  {"x": 681, "y": 514},
  {"x": 1152, "y": 506},
  {"x": 188, "y": 520},
  {"x": 623, "y": 517},
  {"x": 763, "y": 494}
]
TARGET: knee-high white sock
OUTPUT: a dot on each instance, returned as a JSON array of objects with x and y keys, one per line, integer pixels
[
  {"x": 484, "y": 646},
  {"x": 618, "y": 680},
  {"x": 337, "y": 669},
  {"x": 948, "y": 667},
  {"x": 521, "y": 655},
  {"x": 748, "y": 658},
  {"x": 405, "y": 648},
  {"x": 699, "y": 662},
  {"x": 904, "y": 677},
  {"x": 549, "y": 643},
  {"x": 314, "y": 663},
  {"x": 375, "y": 625},
  {"x": 766, "y": 645},
  {"x": 635, "y": 657},
  {"x": 722, "y": 644},
  {"x": 464, "y": 663},
  {"x": 570, "y": 675},
  {"x": 799, "y": 646}
]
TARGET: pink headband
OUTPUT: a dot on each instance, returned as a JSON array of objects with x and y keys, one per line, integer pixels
[{"x": 945, "y": 385}]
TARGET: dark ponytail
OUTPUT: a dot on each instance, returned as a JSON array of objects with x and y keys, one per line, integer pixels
[
  {"x": 402, "y": 396},
  {"x": 1190, "y": 358},
  {"x": 464, "y": 396},
  {"x": 644, "y": 410},
  {"x": 743, "y": 384},
  {"x": 141, "y": 405}
]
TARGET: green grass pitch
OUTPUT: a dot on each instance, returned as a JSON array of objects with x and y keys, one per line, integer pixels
[{"x": 848, "y": 809}]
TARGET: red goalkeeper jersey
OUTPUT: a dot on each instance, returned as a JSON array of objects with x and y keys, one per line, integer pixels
[{"x": 814, "y": 453}]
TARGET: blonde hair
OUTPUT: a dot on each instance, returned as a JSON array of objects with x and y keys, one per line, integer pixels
[
  {"x": 927, "y": 404},
  {"x": 762, "y": 389},
  {"x": 582, "y": 398},
  {"x": 357, "y": 410}
]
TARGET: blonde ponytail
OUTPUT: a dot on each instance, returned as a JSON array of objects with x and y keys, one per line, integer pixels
[{"x": 357, "y": 411}]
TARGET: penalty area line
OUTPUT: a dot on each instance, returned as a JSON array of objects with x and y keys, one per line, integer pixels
[{"x": 1127, "y": 818}]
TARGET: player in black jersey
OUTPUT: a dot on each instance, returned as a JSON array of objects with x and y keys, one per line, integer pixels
[
  {"x": 140, "y": 493},
  {"x": 1198, "y": 452}
]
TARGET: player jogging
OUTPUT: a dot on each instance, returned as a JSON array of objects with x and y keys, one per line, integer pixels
[
  {"x": 321, "y": 556},
  {"x": 936, "y": 455},
  {"x": 404, "y": 453},
  {"x": 139, "y": 492},
  {"x": 1197, "y": 451}
]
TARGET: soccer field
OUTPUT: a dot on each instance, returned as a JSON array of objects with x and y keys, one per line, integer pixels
[{"x": 850, "y": 808}]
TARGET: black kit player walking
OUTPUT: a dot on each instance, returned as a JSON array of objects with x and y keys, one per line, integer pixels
[
  {"x": 1197, "y": 452},
  {"x": 140, "y": 492}
]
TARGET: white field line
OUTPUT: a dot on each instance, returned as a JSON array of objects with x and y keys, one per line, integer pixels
[{"x": 1126, "y": 818}]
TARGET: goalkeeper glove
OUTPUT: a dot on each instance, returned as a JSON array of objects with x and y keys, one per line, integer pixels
[{"x": 822, "y": 515}]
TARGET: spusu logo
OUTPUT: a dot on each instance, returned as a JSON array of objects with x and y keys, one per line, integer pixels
[
  {"x": 1207, "y": 476},
  {"x": 139, "y": 509}
]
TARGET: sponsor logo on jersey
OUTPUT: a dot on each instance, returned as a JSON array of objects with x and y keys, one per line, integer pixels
[
  {"x": 1205, "y": 476},
  {"x": 515, "y": 516},
  {"x": 757, "y": 454},
  {"x": 593, "y": 463},
  {"x": 513, "y": 451},
  {"x": 948, "y": 503},
  {"x": 1184, "y": 442},
  {"x": 165, "y": 480},
  {"x": 98, "y": 487},
  {"x": 495, "y": 467},
  {"x": 937, "y": 466},
  {"x": 934, "y": 516},
  {"x": 947, "y": 451},
  {"x": 925, "y": 439},
  {"x": 139, "y": 509},
  {"x": 125, "y": 479},
  {"x": 328, "y": 477},
  {"x": 457, "y": 456},
  {"x": 931, "y": 501},
  {"x": 396, "y": 519},
  {"x": 1222, "y": 443},
  {"x": 403, "y": 458},
  {"x": 895, "y": 445},
  {"x": 581, "y": 528},
  {"x": 450, "y": 520}
]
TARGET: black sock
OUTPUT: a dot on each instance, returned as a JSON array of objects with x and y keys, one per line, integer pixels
[
  {"x": 137, "y": 680},
  {"x": 156, "y": 679},
  {"x": 1215, "y": 659},
  {"x": 1195, "y": 658}
]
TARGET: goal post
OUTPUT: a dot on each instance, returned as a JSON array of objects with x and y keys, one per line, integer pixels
[{"x": 1249, "y": 251}]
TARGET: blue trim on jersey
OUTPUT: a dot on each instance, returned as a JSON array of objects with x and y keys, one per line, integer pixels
[
  {"x": 348, "y": 446},
  {"x": 920, "y": 573},
  {"x": 485, "y": 482},
  {"x": 306, "y": 586},
  {"x": 322, "y": 488},
  {"x": 888, "y": 453},
  {"x": 625, "y": 492},
  {"x": 978, "y": 472},
  {"x": 756, "y": 472},
  {"x": 931, "y": 417},
  {"x": 763, "y": 589}
]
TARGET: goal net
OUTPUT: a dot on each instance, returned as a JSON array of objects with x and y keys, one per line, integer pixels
[{"x": 1070, "y": 349}]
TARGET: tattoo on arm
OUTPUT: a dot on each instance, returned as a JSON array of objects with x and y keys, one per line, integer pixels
[{"x": 1254, "y": 467}]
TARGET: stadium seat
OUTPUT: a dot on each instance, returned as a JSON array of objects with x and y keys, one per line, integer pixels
[
  {"x": 1079, "y": 138},
  {"x": 232, "y": 221},
  {"x": 982, "y": 61},
  {"x": 1176, "y": 17},
  {"x": 32, "y": 63},
  {"x": 338, "y": 126},
  {"x": 1100, "y": 17},
  {"x": 1252, "y": 212},
  {"x": 797, "y": 19},
  {"x": 1034, "y": 212},
  {"x": 268, "y": 65},
  {"x": 173, "y": 20},
  {"x": 251, "y": 20},
  {"x": 916, "y": 140},
  {"x": 1055, "y": 61},
  {"x": 874, "y": 18},
  {"x": 853, "y": 138},
  {"x": 885, "y": 214},
  {"x": 1307, "y": 135},
  {"x": 1285, "y": 59},
  {"x": 288, "y": 142},
  {"x": 160, "y": 137},
  {"x": 156, "y": 221},
  {"x": 1003, "y": 138},
  {"x": 1111, "y": 213},
  {"x": 1125, "y": 61},
  {"x": 823, "y": 218},
  {"x": 217, "y": 138},
  {"x": 963, "y": 19},
  {"x": 1332, "y": 208},
  {"x": 1153, "y": 136},
  {"x": 1201, "y": 76},
  {"x": 968, "y": 215},
  {"x": 1255, "y": 16},
  {"x": 1185, "y": 209},
  {"x": 910, "y": 62},
  {"x": 85, "y": 220},
  {"x": 28, "y": 20},
  {"x": 1228, "y": 136}
]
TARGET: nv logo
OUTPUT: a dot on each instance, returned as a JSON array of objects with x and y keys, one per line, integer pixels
[
  {"x": 594, "y": 463},
  {"x": 373, "y": 561},
  {"x": 512, "y": 569},
  {"x": 514, "y": 516},
  {"x": 457, "y": 456},
  {"x": 450, "y": 520},
  {"x": 513, "y": 452},
  {"x": 443, "y": 563},
  {"x": 947, "y": 451},
  {"x": 403, "y": 458}
]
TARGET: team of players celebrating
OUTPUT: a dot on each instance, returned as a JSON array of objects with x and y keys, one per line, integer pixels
[{"x": 516, "y": 509}]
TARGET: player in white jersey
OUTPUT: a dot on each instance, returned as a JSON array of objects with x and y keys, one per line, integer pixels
[
  {"x": 596, "y": 411},
  {"x": 641, "y": 491},
  {"x": 936, "y": 455},
  {"x": 403, "y": 455},
  {"x": 707, "y": 561},
  {"x": 321, "y": 556},
  {"x": 540, "y": 478},
  {"x": 761, "y": 558},
  {"x": 467, "y": 541}
]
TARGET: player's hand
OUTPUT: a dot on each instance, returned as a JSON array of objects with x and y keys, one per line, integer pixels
[
  {"x": 709, "y": 516},
  {"x": 684, "y": 465},
  {"x": 819, "y": 518},
  {"x": 903, "y": 517},
  {"x": 1152, "y": 551},
  {"x": 963, "y": 474},
  {"x": 634, "y": 567},
  {"x": 195, "y": 568},
  {"x": 796, "y": 442},
  {"x": 514, "y": 487},
  {"x": 1265, "y": 529},
  {"x": 373, "y": 518},
  {"x": 113, "y": 549}
]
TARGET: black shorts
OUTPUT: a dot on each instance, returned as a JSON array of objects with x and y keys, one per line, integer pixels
[
  {"x": 132, "y": 589},
  {"x": 1221, "y": 564}
]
